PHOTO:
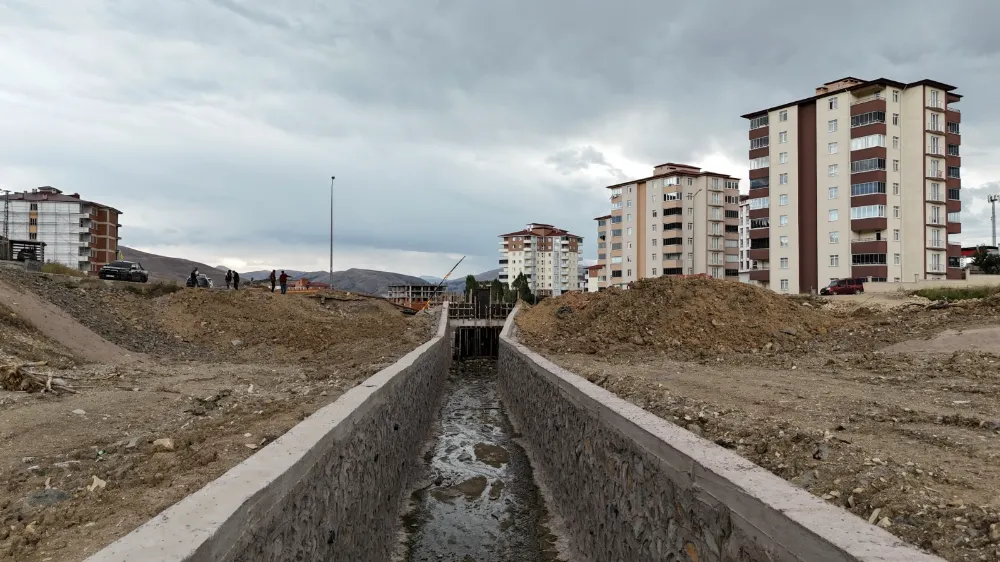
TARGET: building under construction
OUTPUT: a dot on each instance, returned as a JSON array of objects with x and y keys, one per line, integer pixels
[
  {"x": 76, "y": 233},
  {"x": 416, "y": 296}
]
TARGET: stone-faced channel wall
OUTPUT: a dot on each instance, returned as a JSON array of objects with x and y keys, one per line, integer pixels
[
  {"x": 632, "y": 487},
  {"x": 328, "y": 490}
]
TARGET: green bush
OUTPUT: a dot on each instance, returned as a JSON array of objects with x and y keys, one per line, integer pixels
[
  {"x": 60, "y": 269},
  {"x": 154, "y": 289},
  {"x": 957, "y": 293}
]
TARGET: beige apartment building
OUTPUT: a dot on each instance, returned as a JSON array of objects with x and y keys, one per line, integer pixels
[
  {"x": 861, "y": 179},
  {"x": 681, "y": 220},
  {"x": 549, "y": 258}
]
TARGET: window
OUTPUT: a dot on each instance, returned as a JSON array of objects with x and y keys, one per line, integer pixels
[
  {"x": 690, "y": 243},
  {"x": 690, "y": 181},
  {"x": 759, "y": 203},
  {"x": 783, "y": 158},
  {"x": 783, "y": 115},
  {"x": 782, "y": 200},
  {"x": 32, "y": 236},
  {"x": 716, "y": 199},
  {"x": 783, "y": 137},
  {"x": 628, "y": 217},
  {"x": 690, "y": 226},
  {"x": 653, "y": 241},
  {"x": 954, "y": 128},
  {"x": 954, "y": 172},
  {"x": 867, "y": 118},
  {"x": 831, "y": 170},
  {"x": 690, "y": 210},
  {"x": 935, "y": 215},
  {"x": 675, "y": 196},
  {"x": 954, "y": 194},
  {"x": 758, "y": 122},
  {"x": 832, "y": 148},
  {"x": 870, "y": 141},
  {"x": 895, "y": 142},
  {"x": 831, "y": 193},
  {"x": 867, "y": 165},
  {"x": 782, "y": 179},
  {"x": 759, "y": 183},
  {"x": 834, "y": 237},
  {"x": 832, "y": 103},
  {"x": 833, "y": 215},
  {"x": 895, "y": 259},
  {"x": 895, "y": 235},
  {"x": 628, "y": 203},
  {"x": 654, "y": 210},
  {"x": 867, "y": 188},
  {"x": 955, "y": 216},
  {"x": 784, "y": 284},
  {"x": 760, "y": 223},
  {"x": 831, "y": 126},
  {"x": 895, "y": 212},
  {"x": 783, "y": 220},
  {"x": 616, "y": 232},
  {"x": 758, "y": 163},
  {"x": 834, "y": 260},
  {"x": 935, "y": 191},
  {"x": 895, "y": 165},
  {"x": 867, "y": 212},
  {"x": 32, "y": 221},
  {"x": 616, "y": 259},
  {"x": 784, "y": 263},
  {"x": 654, "y": 228},
  {"x": 33, "y": 207},
  {"x": 628, "y": 231},
  {"x": 895, "y": 96},
  {"x": 759, "y": 142},
  {"x": 895, "y": 189},
  {"x": 868, "y": 259},
  {"x": 953, "y": 150},
  {"x": 895, "y": 119},
  {"x": 783, "y": 241},
  {"x": 654, "y": 269}
]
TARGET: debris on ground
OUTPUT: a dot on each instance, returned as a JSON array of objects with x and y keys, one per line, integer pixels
[{"x": 17, "y": 377}]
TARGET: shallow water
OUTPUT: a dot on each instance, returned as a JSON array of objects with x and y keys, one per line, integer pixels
[{"x": 480, "y": 504}]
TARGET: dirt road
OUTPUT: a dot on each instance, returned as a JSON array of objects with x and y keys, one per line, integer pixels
[
  {"x": 892, "y": 412},
  {"x": 190, "y": 384}
]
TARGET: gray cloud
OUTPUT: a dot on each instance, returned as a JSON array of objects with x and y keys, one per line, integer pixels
[{"x": 445, "y": 122}]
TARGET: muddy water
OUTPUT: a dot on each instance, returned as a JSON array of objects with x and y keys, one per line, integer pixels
[{"x": 478, "y": 503}]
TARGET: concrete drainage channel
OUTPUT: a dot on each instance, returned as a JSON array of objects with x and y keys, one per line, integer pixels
[
  {"x": 476, "y": 501},
  {"x": 386, "y": 472}
]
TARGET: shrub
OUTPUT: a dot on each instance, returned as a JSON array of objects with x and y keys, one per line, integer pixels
[
  {"x": 154, "y": 289},
  {"x": 957, "y": 293},
  {"x": 60, "y": 269}
]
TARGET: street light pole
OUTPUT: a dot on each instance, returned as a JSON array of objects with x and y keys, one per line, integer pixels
[
  {"x": 331, "y": 231},
  {"x": 993, "y": 215}
]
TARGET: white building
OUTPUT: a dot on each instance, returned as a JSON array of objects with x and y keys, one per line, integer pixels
[
  {"x": 746, "y": 264},
  {"x": 549, "y": 258}
]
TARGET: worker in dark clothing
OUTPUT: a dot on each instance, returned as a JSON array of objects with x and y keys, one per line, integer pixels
[
  {"x": 283, "y": 281},
  {"x": 236, "y": 281},
  {"x": 273, "y": 279},
  {"x": 229, "y": 277},
  {"x": 194, "y": 277}
]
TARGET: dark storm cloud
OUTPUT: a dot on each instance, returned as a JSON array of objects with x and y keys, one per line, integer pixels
[{"x": 446, "y": 122}]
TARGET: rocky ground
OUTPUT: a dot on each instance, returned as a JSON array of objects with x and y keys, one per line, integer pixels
[
  {"x": 201, "y": 380},
  {"x": 885, "y": 406}
]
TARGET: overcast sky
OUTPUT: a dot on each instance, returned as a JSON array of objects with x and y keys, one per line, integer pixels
[{"x": 215, "y": 125}]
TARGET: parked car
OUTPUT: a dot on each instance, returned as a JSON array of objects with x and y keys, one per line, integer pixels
[
  {"x": 844, "y": 287},
  {"x": 124, "y": 271},
  {"x": 203, "y": 281}
]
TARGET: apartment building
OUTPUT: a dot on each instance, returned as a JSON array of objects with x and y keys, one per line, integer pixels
[
  {"x": 746, "y": 263},
  {"x": 594, "y": 274},
  {"x": 861, "y": 179},
  {"x": 549, "y": 258},
  {"x": 78, "y": 233},
  {"x": 681, "y": 220}
]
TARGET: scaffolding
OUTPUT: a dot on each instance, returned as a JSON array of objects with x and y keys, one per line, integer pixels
[{"x": 63, "y": 226}]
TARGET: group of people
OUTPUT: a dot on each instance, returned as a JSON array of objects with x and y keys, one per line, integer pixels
[
  {"x": 233, "y": 280},
  {"x": 282, "y": 280}
]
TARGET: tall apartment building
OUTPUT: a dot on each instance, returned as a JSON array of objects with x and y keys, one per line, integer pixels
[
  {"x": 679, "y": 221},
  {"x": 548, "y": 256},
  {"x": 746, "y": 263},
  {"x": 862, "y": 179},
  {"x": 77, "y": 233}
]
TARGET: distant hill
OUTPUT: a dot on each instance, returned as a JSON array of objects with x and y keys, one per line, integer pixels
[
  {"x": 431, "y": 279},
  {"x": 263, "y": 274},
  {"x": 354, "y": 280},
  {"x": 458, "y": 285},
  {"x": 163, "y": 268}
]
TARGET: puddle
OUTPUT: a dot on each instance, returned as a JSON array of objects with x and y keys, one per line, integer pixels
[{"x": 480, "y": 504}]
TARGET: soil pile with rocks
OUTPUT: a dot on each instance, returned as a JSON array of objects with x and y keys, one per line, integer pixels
[{"x": 686, "y": 316}]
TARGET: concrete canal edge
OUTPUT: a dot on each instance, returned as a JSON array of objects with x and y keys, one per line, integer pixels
[
  {"x": 328, "y": 489},
  {"x": 632, "y": 486}
]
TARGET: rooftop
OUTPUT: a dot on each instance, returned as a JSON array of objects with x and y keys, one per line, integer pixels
[
  {"x": 49, "y": 193},
  {"x": 540, "y": 229},
  {"x": 675, "y": 170}
]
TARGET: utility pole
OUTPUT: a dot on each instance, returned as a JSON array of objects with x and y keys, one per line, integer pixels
[
  {"x": 331, "y": 231},
  {"x": 6, "y": 214},
  {"x": 993, "y": 203}
]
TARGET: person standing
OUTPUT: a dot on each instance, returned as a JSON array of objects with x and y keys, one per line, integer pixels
[
  {"x": 193, "y": 280},
  {"x": 236, "y": 281},
  {"x": 283, "y": 280},
  {"x": 229, "y": 277},
  {"x": 273, "y": 279}
]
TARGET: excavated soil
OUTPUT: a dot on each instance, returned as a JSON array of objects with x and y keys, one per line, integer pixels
[
  {"x": 219, "y": 375},
  {"x": 888, "y": 407},
  {"x": 687, "y": 316}
]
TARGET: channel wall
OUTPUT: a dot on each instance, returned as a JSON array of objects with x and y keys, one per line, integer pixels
[
  {"x": 329, "y": 489},
  {"x": 633, "y": 487}
]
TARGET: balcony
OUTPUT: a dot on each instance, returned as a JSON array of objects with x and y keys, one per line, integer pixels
[
  {"x": 935, "y": 104},
  {"x": 936, "y": 244},
  {"x": 877, "y": 271},
  {"x": 869, "y": 245},
  {"x": 866, "y": 99},
  {"x": 760, "y": 275},
  {"x": 935, "y": 174},
  {"x": 759, "y": 253},
  {"x": 934, "y": 151},
  {"x": 935, "y": 128},
  {"x": 954, "y": 228}
]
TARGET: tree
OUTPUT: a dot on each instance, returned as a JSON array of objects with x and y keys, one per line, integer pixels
[
  {"x": 986, "y": 261},
  {"x": 470, "y": 284},
  {"x": 522, "y": 289},
  {"x": 496, "y": 290}
]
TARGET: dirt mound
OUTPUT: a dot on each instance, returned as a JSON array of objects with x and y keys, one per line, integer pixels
[
  {"x": 275, "y": 326},
  {"x": 683, "y": 315}
]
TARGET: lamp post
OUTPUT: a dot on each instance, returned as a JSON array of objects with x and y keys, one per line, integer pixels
[
  {"x": 331, "y": 231},
  {"x": 993, "y": 215}
]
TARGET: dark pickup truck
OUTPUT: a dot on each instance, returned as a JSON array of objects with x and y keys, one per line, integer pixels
[{"x": 124, "y": 271}]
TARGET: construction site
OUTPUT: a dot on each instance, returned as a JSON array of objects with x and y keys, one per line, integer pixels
[{"x": 124, "y": 409}]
